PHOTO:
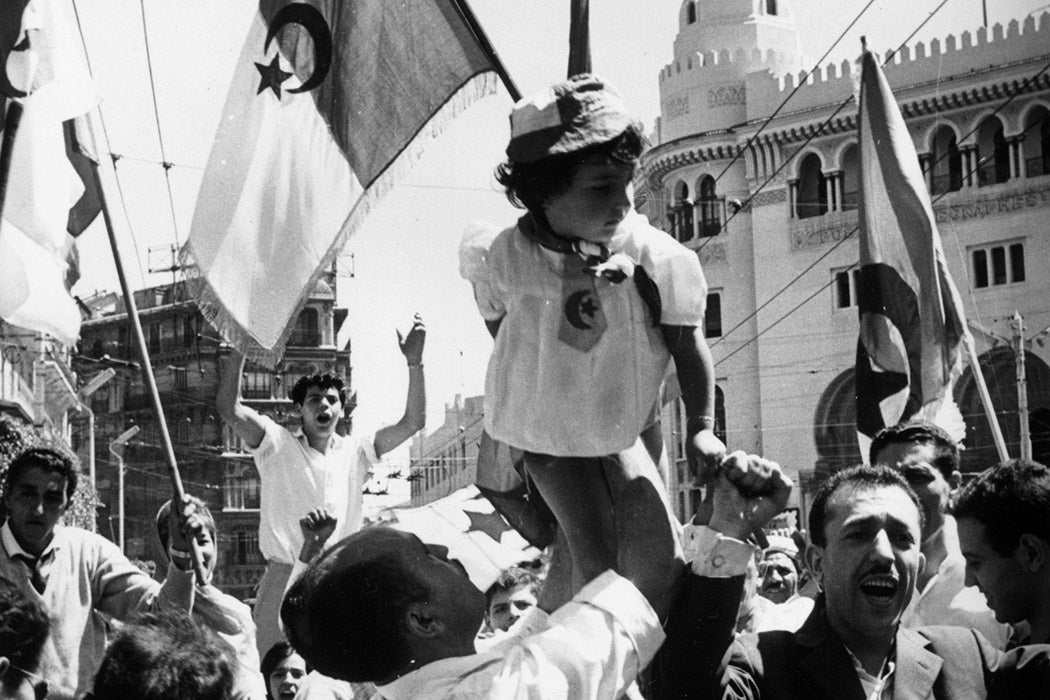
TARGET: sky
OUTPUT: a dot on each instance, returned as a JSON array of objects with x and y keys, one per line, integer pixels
[{"x": 404, "y": 259}]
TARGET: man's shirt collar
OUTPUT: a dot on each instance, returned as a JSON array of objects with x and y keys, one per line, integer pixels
[{"x": 12, "y": 547}]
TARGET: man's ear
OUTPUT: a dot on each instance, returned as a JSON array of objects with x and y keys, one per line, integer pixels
[
  {"x": 1035, "y": 552},
  {"x": 5, "y": 664},
  {"x": 421, "y": 622},
  {"x": 815, "y": 562},
  {"x": 955, "y": 480}
]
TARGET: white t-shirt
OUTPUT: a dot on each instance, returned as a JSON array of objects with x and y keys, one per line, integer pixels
[
  {"x": 296, "y": 479},
  {"x": 544, "y": 395}
]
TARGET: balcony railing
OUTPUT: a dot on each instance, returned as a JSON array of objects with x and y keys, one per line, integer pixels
[
  {"x": 939, "y": 184},
  {"x": 1037, "y": 166},
  {"x": 305, "y": 338},
  {"x": 992, "y": 174}
]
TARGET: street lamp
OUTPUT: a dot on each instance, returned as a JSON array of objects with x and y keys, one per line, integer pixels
[
  {"x": 116, "y": 448},
  {"x": 82, "y": 396}
]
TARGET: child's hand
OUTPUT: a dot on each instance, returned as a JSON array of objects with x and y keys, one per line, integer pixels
[
  {"x": 705, "y": 452},
  {"x": 317, "y": 526}
]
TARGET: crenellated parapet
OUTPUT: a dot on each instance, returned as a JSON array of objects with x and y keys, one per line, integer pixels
[{"x": 940, "y": 61}]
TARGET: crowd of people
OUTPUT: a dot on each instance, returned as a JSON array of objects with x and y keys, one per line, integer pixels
[{"x": 904, "y": 582}]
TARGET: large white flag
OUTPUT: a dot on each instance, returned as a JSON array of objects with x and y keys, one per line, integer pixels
[
  {"x": 329, "y": 104},
  {"x": 46, "y": 82}
]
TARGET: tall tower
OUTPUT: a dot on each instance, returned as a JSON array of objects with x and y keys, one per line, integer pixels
[{"x": 719, "y": 42}]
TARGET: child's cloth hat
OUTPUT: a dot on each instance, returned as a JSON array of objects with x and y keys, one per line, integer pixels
[{"x": 565, "y": 117}]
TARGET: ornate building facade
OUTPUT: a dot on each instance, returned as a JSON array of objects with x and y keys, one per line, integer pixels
[{"x": 769, "y": 205}]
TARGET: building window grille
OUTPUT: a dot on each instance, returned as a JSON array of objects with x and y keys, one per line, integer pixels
[
  {"x": 812, "y": 189},
  {"x": 998, "y": 264},
  {"x": 846, "y": 284},
  {"x": 713, "y": 316}
]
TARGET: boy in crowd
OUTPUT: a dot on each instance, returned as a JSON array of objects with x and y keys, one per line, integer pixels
[{"x": 312, "y": 467}]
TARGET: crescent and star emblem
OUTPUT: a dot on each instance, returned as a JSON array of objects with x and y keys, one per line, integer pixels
[
  {"x": 311, "y": 20},
  {"x": 578, "y": 305}
]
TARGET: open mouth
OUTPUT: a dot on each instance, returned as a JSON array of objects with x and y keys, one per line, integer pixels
[
  {"x": 324, "y": 419},
  {"x": 880, "y": 588}
]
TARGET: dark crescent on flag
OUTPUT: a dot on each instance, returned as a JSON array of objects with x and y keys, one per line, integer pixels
[
  {"x": 10, "y": 28},
  {"x": 574, "y": 309},
  {"x": 884, "y": 293},
  {"x": 310, "y": 19}
]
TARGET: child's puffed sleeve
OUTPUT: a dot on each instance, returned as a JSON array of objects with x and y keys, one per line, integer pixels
[
  {"x": 474, "y": 266},
  {"x": 683, "y": 289}
]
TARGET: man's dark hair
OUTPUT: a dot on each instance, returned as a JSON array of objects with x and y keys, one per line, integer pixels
[
  {"x": 165, "y": 656},
  {"x": 1009, "y": 499},
  {"x": 859, "y": 477},
  {"x": 510, "y": 579},
  {"x": 531, "y": 185},
  {"x": 321, "y": 381},
  {"x": 24, "y": 628},
  {"x": 919, "y": 432},
  {"x": 275, "y": 655},
  {"x": 348, "y": 623},
  {"x": 47, "y": 459}
]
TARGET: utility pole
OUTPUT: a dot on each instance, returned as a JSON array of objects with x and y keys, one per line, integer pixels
[
  {"x": 116, "y": 448},
  {"x": 1022, "y": 386},
  {"x": 82, "y": 398}
]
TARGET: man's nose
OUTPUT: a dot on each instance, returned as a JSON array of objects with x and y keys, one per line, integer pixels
[{"x": 882, "y": 548}]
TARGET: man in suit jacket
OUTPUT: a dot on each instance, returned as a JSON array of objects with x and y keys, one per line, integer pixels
[{"x": 866, "y": 526}]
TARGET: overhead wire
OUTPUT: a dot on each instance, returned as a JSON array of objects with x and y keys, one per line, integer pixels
[
  {"x": 816, "y": 66},
  {"x": 974, "y": 168},
  {"x": 1017, "y": 92},
  {"x": 165, "y": 163},
  {"x": 113, "y": 156}
]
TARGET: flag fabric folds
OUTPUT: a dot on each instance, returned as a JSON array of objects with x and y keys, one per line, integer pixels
[
  {"x": 330, "y": 104},
  {"x": 47, "y": 92},
  {"x": 473, "y": 531},
  {"x": 911, "y": 317}
]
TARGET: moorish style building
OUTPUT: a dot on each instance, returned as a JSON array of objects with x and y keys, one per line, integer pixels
[{"x": 769, "y": 205}]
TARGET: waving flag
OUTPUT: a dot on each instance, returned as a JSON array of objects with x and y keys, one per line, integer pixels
[
  {"x": 46, "y": 93},
  {"x": 329, "y": 105},
  {"x": 473, "y": 531},
  {"x": 911, "y": 318}
]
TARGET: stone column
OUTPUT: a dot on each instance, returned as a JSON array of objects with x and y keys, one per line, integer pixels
[{"x": 792, "y": 196}]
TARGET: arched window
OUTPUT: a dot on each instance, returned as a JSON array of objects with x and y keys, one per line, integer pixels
[
  {"x": 680, "y": 214},
  {"x": 710, "y": 208},
  {"x": 993, "y": 153},
  {"x": 850, "y": 177},
  {"x": 1037, "y": 143},
  {"x": 835, "y": 425},
  {"x": 812, "y": 197},
  {"x": 305, "y": 333},
  {"x": 946, "y": 162},
  {"x": 1000, "y": 373},
  {"x": 690, "y": 13}
]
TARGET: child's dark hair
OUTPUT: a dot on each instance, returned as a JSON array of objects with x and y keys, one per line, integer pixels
[
  {"x": 531, "y": 185},
  {"x": 321, "y": 381}
]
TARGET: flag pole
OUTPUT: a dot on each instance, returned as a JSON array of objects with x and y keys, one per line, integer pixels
[
  {"x": 579, "y": 38},
  {"x": 11, "y": 121},
  {"x": 483, "y": 40},
  {"x": 986, "y": 398},
  {"x": 178, "y": 493}
]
